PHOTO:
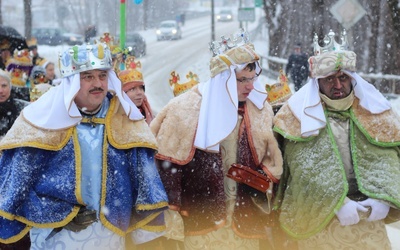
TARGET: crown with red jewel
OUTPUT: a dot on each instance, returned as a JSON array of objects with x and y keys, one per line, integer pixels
[
  {"x": 83, "y": 58},
  {"x": 129, "y": 70},
  {"x": 179, "y": 88},
  {"x": 229, "y": 42},
  {"x": 112, "y": 43},
  {"x": 234, "y": 49}
]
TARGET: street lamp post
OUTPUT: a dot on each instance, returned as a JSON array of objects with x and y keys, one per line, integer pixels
[{"x": 212, "y": 22}]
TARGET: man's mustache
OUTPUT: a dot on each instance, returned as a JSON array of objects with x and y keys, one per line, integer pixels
[{"x": 96, "y": 89}]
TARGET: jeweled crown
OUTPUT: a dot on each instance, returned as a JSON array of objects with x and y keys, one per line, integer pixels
[
  {"x": 330, "y": 43},
  {"x": 179, "y": 88},
  {"x": 129, "y": 70},
  {"x": 229, "y": 41},
  {"x": 280, "y": 91},
  {"x": 83, "y": 58},
  {"x": 111, "y": 42}
]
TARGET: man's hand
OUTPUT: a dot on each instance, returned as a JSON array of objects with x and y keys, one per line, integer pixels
[
  {"x": 379, "y": 210},
  {"x": 348, "y": 213}
]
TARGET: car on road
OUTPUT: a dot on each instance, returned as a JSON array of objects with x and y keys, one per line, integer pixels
[
  {"x": 169, "y": 30},
  {"x": 225, "y": 16},
  {"x": 48, "y": 36},
  {"x": 56, "y": 36},
  {"x": 136, "y": 42},
  {"x": 73, "y": 38}
]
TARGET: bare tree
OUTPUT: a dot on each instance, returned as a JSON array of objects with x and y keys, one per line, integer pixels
[
  {"x": 28, "y": 18},
  {"x": 1, "y": 15},
  {"x": 394, "y": 14},
  {"x": 375, "y": 37}
]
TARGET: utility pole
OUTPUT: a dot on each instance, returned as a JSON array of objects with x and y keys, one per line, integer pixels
[
  {"x": 240, "y": 6},
  {"x": 212, "y": 22}
]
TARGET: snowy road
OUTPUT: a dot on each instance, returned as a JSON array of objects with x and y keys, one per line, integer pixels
[{"x": 189, "y": 54}]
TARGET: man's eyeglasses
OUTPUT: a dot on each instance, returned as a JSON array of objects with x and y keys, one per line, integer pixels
[
  {"x": 90, "y": 78},
  {"x": 245, "y": 80}
]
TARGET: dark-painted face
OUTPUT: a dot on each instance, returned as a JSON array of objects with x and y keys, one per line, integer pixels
[{"x": 336, "y": 86}]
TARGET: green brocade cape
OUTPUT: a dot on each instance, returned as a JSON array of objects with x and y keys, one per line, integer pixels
[{"x": 314, "y": 185}]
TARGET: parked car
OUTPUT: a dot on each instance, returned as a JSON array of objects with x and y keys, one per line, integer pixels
[
  {"x": 225, "y": 16},
  {"x": 169, "y": 30},
  {"x": 136, "y": 42},
  {"x": 48, "y": 36},
  {"x": 56, "y": 36},
  {"x": 73, "y": 39}
]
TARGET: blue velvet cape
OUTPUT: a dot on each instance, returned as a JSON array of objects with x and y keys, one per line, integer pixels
[{"x": 41, "y": 188}]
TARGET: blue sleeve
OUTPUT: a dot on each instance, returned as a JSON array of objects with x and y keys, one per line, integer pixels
[{"x": 18, "y": 168}]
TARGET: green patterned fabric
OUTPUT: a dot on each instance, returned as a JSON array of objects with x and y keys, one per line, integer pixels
[{"x": 314, "y": 183}]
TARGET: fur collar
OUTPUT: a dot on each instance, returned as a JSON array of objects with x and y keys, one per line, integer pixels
[
  {"x": 122, "y": 133},
  {"x": 175, "y": 129},
  {"x": 381, "y": 128}
]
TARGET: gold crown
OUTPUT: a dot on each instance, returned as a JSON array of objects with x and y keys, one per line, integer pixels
[
  {"x": 179, "y": 88},
  {"x": 280, "y": 91},
  {"x": 38, "y": 75},
  {"x": 38, "y": 90},
  {"x": 18, "y": 77},
  {"x": 130, "y": 70},
  {"x": 31, "y": 42},
  {"x": 111, "y": 43},
  {"x": 20, "y": 66},
  {"x": 21, "y": 57}
]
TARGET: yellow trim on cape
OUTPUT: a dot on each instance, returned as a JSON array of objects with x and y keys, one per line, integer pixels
[
  {"x": 78, "y": 167},
  {"x": 16, "y": 237},
  {"x": 145, "y": 221},
  {"x": 103, "y": 218},
  {"x": 62, "y": 223},
  {"x": 151, "y": 206}
]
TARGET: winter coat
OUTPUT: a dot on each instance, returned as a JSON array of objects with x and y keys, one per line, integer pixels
[
  {"x": 9, "y": 111},
  {"x": 297, "y": 67}
]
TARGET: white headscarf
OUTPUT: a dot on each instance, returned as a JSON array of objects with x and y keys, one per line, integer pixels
[
  {"x": 219, "y": 106},
  {"x": 307, "y": 107},
  {"x": 56, "y": 109}
]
